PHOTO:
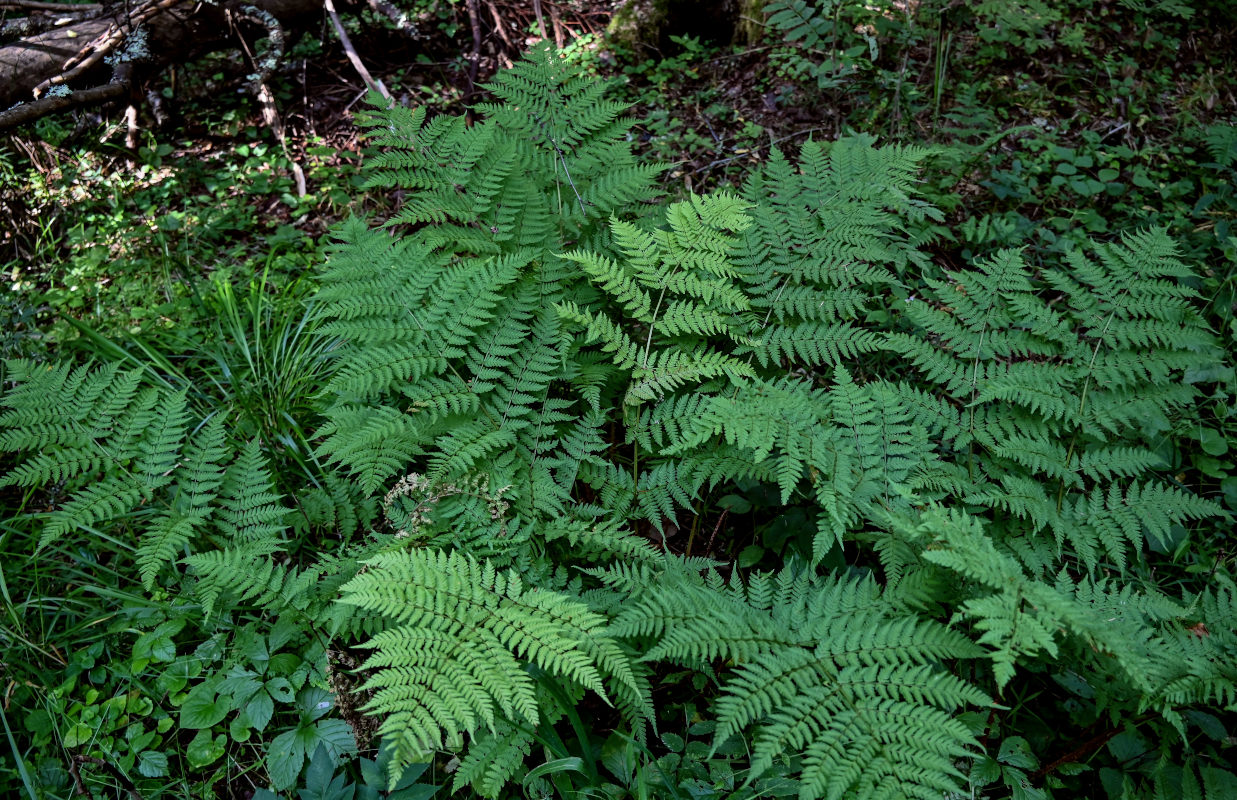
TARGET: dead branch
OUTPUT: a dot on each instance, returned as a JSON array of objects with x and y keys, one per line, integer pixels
[
  {"x": 540, "y": 19},
  {"x": 54, "y": 103},
  {"x": 474, "y": 58},
  {"x": 400, "y": 19},
  {"x": 58, "y": 66},
  {"x": 103, "y": 45},
  {"x": 375, "y": 85},
  {"x": 34, "y": 5},
  {"x": 263, "y": 69}
]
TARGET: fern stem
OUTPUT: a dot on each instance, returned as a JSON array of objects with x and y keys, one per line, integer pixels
[
  {"x": 970, "y": 466},
  {"x": 567, "y": 172},
  {"x": 1082, "y": 403},
  {"x": 635, "y": 464},
  {"x": 648, "y": 341}
]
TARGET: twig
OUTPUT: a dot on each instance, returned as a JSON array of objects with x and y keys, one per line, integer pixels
[
  {"x": 474, "y": 58},
  {"x": 370, "y": 81},
  {"x": 721, "y": 161},
  {"x": 274, "y": 35},
  {"x": 1117, "y": 129},
  {"x": 400, "y": 19},
  {"x": 708, "y": 548},
  {"x": 559, "y": 38},
  {"x": 540, "y": 18},
  {"x": 76, "y": 761},
  {"x": 263, "y": 69},
  {"x": 1085, "y": 749},
  {"x": 79, "y": 786},
  {"x": 502, "y": 32}
]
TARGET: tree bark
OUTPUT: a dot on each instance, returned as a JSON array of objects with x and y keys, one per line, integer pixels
[{"x": 176, "y": 30}]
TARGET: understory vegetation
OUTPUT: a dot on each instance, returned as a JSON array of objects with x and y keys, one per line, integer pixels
[{"x": 843, "y": 414}]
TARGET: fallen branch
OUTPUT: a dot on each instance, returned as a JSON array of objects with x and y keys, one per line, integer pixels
[
  {"x": 263, "y": 69},
  {"x": 400, "y": 19},
  {"x": 274, "y": 35},
  {"x": 54, "y": 103},
  {"x": 63, "y": 67},
  {"x": 35, "y": 5},
  {"x": 102, "y": 46},
  {"x": 474, "y": 58},
  {"x": 375, "y": 85},
  {"x": 540, "y": 19}
]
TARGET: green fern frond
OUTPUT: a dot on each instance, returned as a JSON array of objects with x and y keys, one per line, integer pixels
[
  {"x": 492, "y": 760},
  {"x": 667, "y": 370},
  {"x": 160, "y": 447},
  {"x": 248, "y": 574},
  {"x": 817, "y": 686},
  {"x": 249, "y": 511},
  {"x": 599, "y": 328},
  {"x": 452, "y": 660},
  {"x": 374, "y": 443},
  {"x": 106, "y": 499},
  {"x": 814, "y": 343}
]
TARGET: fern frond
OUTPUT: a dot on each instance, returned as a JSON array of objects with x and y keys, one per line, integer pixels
[
  {"x": 249, "y": 510},
  {"x": 451, "y": 661},
  {"x": 374, "y": 443},
  {"x": 106, "y": 499},
  {"x": 492, "y": 759},
  {"x": 667, "y": 370},
  {"x": 248, "y": 574},
  {"x": 814, "y": 343}
]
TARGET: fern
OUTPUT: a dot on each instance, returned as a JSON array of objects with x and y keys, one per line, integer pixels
[
  {"x": 452, "y": 660},
  {"x": 550, "y": 395},
  {"x": 821, "y": 670},
  {"x": 1073, "y": 387},
  {"x": 191, "y": 507}
]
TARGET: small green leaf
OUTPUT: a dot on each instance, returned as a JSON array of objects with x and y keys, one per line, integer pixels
[
  {"x": 260, "y": 710},
  {"x": 152, "y": 764},
  {"x": 203, "y": 707},
  {"x": 334, "y": 733},
  {"x": 205, "y": 749},
  {"x": 280, "y": 689},
  {"x": 1015, "y": 752},
  {"x": 1213, "y": 442},
  {"x": 284, "y": 759},
  {"x": 318, "y": 783},
  {"x": 985, "y": 770},
  {"x": 750, "y": 556},
  {"x": 177, "y": 675},
  {"x": 239, "y": 728},
  {"x": 78, "y": 735}
]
